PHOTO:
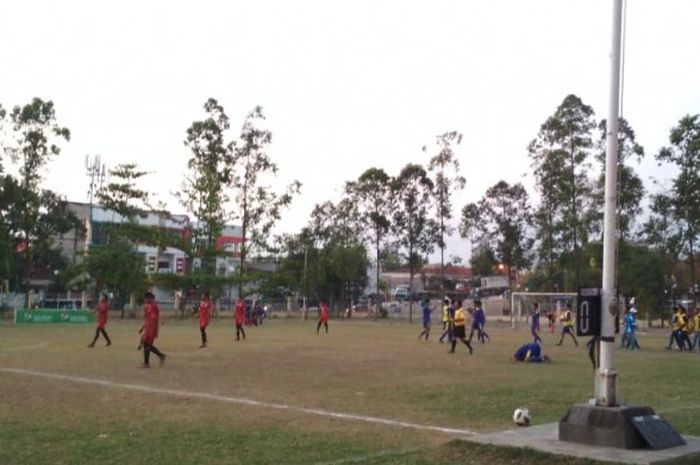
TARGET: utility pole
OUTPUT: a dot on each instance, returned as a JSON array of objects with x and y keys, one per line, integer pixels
[
  {"x": 606, "y": 374},
  {"x": 603, "y": 421},
  {"x": 306, "y": 262},
  {"x": 96, "y": 172}
]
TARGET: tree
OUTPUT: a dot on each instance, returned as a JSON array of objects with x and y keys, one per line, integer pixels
[
  {"x": 203, "y": 194},
  {"x": 259, "y": 208},
  {"x": 3, "y": 113},
  {"x": 114, "y": 263},
  {"x": 413, "y": 227},
  {"x": 482, "y": 261},
  {"x": 661, "y": 229},
  {"x": 445, "y": 167},
  {"x": 34, "y": 137},
  {"x": 116, "y": 266},
  {"x": 560, "y": 160},
  {"x": 371, "y": 193},
  {"x": 502, "y": 221},
  {"x": 341, "y": 269},
  {"x": 646, "y": 274},
  {"x": 684, "y": 199}
]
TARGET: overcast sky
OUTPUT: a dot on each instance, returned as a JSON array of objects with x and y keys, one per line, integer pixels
[{"x": 345, "y": 85}]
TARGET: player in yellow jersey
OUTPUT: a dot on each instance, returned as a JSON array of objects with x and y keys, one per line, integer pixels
[
  {"x": 446, "y": 325},
  {"x": 696, "y": 329},
  {"x": 459, "y": 322},
  {"x": 568, "y": 321}
]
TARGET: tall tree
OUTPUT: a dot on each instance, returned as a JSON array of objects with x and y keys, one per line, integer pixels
[
  {"x": 502, "y": 220},
  {"x": 203, "y": 194},
  {"x": 258, "y": 206},
  {"x": 34, "y": 138},
  {"x": 371, "y": 193},
  {"x": 414, "y": 229},
  {"x": 684, "y": 198},
  {"x": 3, "y": 113},
  {"x": 445, "y": 167},
  {"x": 661, "y": 230},
  {"x": 483, "y": 260},
  {"x": 560, "y": 155},
  {"x": 341, "y": 261},
  {"x": 114, "y": 263}
]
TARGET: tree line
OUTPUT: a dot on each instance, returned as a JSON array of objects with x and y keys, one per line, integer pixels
[{"x": 553, "y": 242}]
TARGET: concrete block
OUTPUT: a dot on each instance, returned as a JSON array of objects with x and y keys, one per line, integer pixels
[{"x": 603, "y": 426}]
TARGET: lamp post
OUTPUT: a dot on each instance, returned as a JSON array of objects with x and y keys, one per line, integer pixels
[
  {"x": 96, "y": 172},
  {"x": 603, "y": 421}
]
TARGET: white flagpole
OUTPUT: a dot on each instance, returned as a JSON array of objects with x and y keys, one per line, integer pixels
[{"x": 606, "y": 374}]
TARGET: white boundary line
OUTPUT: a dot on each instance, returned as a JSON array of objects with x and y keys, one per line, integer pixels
[
  {"x": 21, "y": 348},
  {"x": 240, "y": 400}
]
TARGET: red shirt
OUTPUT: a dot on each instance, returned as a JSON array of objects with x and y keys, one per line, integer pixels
[
  {"x": 238, "y": 315},
  {"x": 323, "y": 312},
  {"x": 204, "y": 312},
  {"x": 102, "y": 309},
  {"x": 151, "y": 314}
]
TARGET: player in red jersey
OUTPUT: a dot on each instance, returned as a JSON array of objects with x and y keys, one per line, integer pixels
[
  {"x": 151, "y": 314},
  {"x": 322, "y": 316},
  {"x": 204, "y": 313},
  {"x": 239, "y": 318},
  {"x": 101, "y": 310}
]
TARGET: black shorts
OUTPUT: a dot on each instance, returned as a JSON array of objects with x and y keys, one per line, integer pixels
[{"x": 459, "y": 331}]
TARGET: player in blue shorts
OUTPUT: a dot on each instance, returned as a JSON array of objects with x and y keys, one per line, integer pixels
[
  {"x": 568, "y": 321},
  {"x": 478, "y": 322},
  {"x": 448, "y": 314},
  {"x": 530, "y": 352},
  {"x": 427, "y": 310}
]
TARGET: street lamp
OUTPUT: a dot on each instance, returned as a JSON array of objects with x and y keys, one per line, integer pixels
[{"x": 96, "y": 172}]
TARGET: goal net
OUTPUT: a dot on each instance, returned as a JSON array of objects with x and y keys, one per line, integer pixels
[{"x": 550, "y": 304}]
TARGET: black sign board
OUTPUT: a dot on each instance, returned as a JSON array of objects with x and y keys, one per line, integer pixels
[
  {"x": 588, "y": 317},
  {"x": 657, "y": 432}
]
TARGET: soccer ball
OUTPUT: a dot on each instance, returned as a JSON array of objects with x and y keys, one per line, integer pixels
[{"x": 521, "y": 416}]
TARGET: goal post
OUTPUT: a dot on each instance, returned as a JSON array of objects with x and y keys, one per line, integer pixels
[{"x": 521, "y": 303}]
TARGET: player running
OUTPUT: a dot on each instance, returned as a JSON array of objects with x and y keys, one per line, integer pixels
[
  {"x": 101, "y": 311},
  {"x": 459, "y": 327},
  {"x": 446, "y": 324},
  {"x": 568, "y": 328},
  {"x": 427, "y": 310},
  {"x": 478, "y": 322},
  {"x": 151, "y": 314}
]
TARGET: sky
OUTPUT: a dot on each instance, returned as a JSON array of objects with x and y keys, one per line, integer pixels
[{"x": 345, "y": 85}]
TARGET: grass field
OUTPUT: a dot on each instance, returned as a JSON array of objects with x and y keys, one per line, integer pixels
[{"x": 195, "y": 409}]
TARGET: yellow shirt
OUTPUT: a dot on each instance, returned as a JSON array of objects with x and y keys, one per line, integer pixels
[
  {"x": 676, "y": 321},
  {"x": 445, "y": 316},
  {"x": 567, "y": 320},
  {"x": 459, "y": 317},
  {"x": 696, "y": 322}
]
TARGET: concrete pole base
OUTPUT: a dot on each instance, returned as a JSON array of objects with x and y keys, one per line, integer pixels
[{"x": 603, "y": 426}]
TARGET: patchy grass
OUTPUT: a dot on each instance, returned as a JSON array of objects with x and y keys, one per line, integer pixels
[{"x": 378, "y": 369}]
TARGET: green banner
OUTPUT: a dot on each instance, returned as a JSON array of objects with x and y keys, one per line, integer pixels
[{"x": 44, "y": 315}]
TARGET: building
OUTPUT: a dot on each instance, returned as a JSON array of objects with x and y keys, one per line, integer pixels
[{"x": 157, "y": 260}]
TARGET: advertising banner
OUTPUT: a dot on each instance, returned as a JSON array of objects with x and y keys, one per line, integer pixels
[{"x": 43, "y": 315}]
